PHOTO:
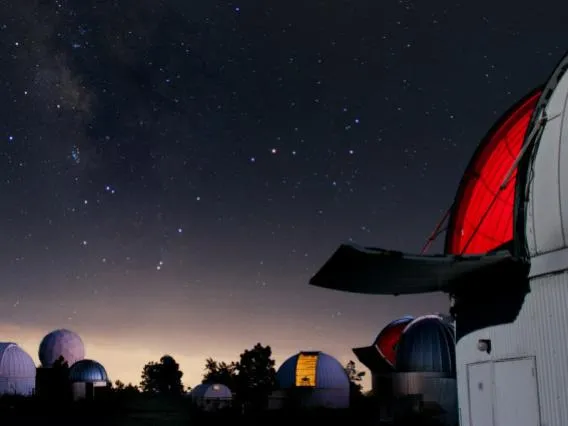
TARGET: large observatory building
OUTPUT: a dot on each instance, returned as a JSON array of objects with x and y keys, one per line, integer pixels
[
  {"x": 413, "y": 368},
  {"x": 505, "y": 267}
]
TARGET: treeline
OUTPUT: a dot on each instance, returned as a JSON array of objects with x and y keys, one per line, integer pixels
[{"x": 252, "y": 377}]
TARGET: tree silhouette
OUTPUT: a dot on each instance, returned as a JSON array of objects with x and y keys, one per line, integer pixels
[
  {"x": 162, "y": 377},
  {"x": 355, "y": 378},
  {"x": 220, "y": 372},
  {"x": 256, "y": 377},
  {"x": 60, "y": 363}
]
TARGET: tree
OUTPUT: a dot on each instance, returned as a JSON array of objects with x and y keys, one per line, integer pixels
[
  {"x": 60, "y": 363},
  {"x": 256, "y": 377},
  {"x": 118, "y": 385},
  {"x": 131, "y": 389},
  {"x": 162, "y": 377},
  {"x": 355, "y": 378},
  {"x": 220, "y": 372}
]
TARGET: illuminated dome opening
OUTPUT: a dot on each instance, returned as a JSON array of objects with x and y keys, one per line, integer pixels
[
  {"x": 388, "y": 338},
  {"x": 482, "y": 216}
]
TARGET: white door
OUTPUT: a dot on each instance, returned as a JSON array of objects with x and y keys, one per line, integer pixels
[
  {"x": 480, "y": 383},
  {"x": 516, "y": 393}
]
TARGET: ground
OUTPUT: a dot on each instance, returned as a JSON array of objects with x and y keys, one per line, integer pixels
[{"x": 142, "y": 410}]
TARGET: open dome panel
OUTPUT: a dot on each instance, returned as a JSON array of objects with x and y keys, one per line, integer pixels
[
  {"x": 388, "y": 338},
  {"x": 482, "y": 216}
]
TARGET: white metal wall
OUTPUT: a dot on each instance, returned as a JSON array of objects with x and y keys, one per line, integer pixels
[
  {"x": 541, "y": 331},
  {"x": 434, "y": 388},
  {"x": 547, "y": 209}
]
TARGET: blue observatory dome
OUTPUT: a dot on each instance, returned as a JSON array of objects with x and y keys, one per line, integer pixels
[
  {"x": 314, "y": 379},
  {"x": 88, "y": 371},
  {"x": 427, "y": 345},
  {"x": 313, "y": 370}
]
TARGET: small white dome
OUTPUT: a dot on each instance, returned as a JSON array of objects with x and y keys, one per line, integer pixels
[
  {"x": 546, "y": 225},
  {"x": 211, "y": 391}
]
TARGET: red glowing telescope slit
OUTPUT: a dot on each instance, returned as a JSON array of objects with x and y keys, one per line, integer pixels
[{"x": 482, "y": 216}]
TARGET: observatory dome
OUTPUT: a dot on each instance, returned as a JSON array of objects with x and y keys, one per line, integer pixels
[
  {"x": 63, "y": 343},
  {"x": 17, "y": 370},
  {"x": 427, "y": 345},
  {"x": 88, "y": 371},
  {"x": 387, "y": 340},
  {"x": 211, "y": 391},
  {"x": 312, "y": 370},
  {"x": 546, "y": 222}
]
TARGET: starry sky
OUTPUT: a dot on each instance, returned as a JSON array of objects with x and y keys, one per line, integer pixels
[{"x": 173, "y": 172}]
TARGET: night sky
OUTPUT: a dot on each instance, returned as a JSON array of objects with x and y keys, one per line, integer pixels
[{"x": 173, "y": 172}]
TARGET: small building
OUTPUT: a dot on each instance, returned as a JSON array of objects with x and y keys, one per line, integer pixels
[
  {"x": 380, "y": 359},
  {"x": 211, "y": 397},
  {"x": 425, "y": 378},
  {"x": 52, "y": 383},
  {"x": 17, "y": 370},
  {"x": 88, "y": 378},
  {"x": 311, "y": 380}
]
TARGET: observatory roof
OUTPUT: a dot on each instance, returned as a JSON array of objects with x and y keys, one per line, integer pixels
[
  {"x": 387, "y": 340},
  {"x": 427, "y": 345},
  {"x": 314, "y": 370},
  {"x": 88, "y": 371},
  {"x": 15, "y": 362},
  {"x": 61, "y": 342},
  {"x": 211, "y": 390},
  {"x": 378, "y": 271},
  {"x": 381, "y": 356},
  {"x": 542, "y": 219}
]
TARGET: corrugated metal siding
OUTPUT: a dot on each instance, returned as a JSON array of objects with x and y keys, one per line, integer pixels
[
  {"x": 540, "y": 331},
  {"x": 17, "y": 386},
  {"x": 330, "y": 374},
  {"x": 432, "y": 388}
]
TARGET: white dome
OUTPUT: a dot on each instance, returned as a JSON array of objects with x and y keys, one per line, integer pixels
[
  {"x": 63, "y": 343},
  {"x": 546, "y": 224},
  {"x": 211, "y": 391},
  {"x": 17, "y": 370}
]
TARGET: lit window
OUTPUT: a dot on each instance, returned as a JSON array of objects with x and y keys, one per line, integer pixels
[{"x": 306, "y": 370}]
